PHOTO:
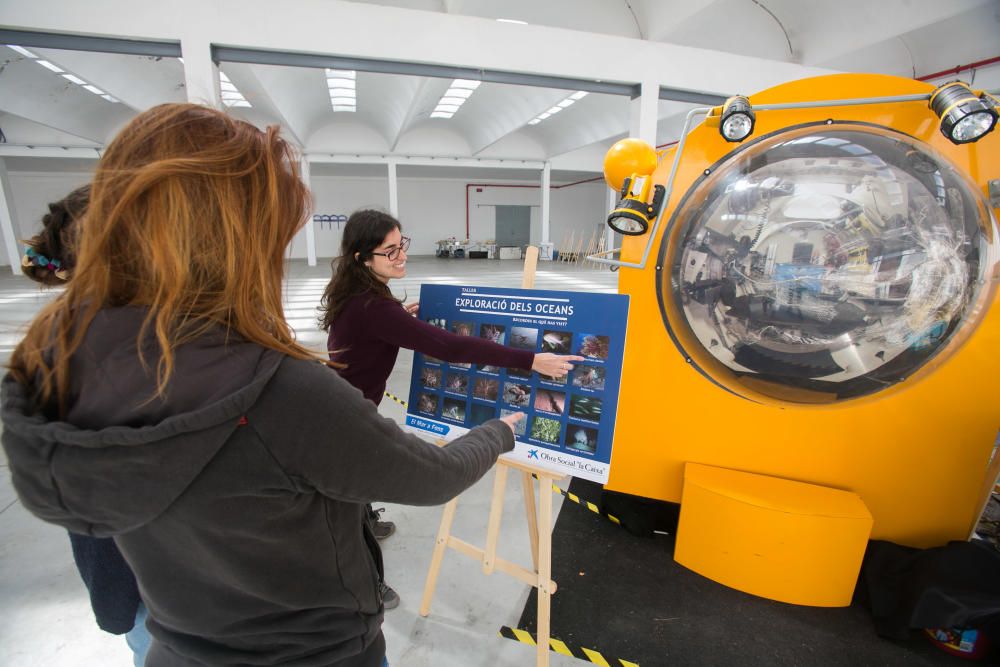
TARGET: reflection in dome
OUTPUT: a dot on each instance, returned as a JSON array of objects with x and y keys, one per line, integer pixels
[{"x": 837, "y": 260}]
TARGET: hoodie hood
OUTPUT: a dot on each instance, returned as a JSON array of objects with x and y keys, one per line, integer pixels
[{"x": 122, "y": 455}]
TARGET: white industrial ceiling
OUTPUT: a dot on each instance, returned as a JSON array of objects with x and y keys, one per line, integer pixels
[{"x": 912, "y": 38}]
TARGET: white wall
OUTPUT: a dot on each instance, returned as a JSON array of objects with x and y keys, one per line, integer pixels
[
  {"x": 432, "y": 209},
  {"x": 429, "y": 208}
]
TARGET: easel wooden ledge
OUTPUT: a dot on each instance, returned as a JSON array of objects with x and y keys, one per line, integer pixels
[{"x": 541, "y": 541}]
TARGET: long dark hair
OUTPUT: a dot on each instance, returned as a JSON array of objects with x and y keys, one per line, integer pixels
[
  {"x": 57, "y": 240},
  {"x": 365, "y": 230}
]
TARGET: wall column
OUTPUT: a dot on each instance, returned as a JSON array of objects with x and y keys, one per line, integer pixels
[
  {"x": 201, "y": 74},
  {"x": 309, "y": 229},
  {"x": 393, "y": 190},
  {"x": 8, "y": 216},
  {"x": 644, "y": 112},
  {"x": 546, "y": 199}
]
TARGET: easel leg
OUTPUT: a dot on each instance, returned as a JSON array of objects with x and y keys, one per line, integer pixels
[
  {"x": 444, "y": 532},
  {"x": 528, "y": 485},
  {"x": 496, "y": 513},
  {"x": 544, "y": 569}
]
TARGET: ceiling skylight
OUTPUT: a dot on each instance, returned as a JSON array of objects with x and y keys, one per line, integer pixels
[
  {"x": 551, "y": 111},
  {"x": 72, "y": 78},
  {"x": 342, "y": 84},
  {"x": 231, "y": 96},
  {"x": 453, "y": 98}
]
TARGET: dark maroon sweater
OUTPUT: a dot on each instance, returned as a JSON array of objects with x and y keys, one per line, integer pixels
[{"x": 368, "y": 332}]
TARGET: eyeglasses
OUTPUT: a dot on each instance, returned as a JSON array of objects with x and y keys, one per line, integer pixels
[{"x": 393, "y": 253}]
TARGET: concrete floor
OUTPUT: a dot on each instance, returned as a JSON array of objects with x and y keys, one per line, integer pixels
[{"x": 45, "y": 616}]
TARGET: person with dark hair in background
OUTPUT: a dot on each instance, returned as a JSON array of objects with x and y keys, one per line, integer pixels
[
  {"x": 367, "y": 325},
  {"x": 49, "y": 259},
  {"x": 161, "y": 399}
]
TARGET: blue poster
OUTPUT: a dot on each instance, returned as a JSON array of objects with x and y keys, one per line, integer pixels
[{"x": 570, "y": 420}]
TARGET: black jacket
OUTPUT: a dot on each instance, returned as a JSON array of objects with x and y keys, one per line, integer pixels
[{"x": 237, "y": 499}]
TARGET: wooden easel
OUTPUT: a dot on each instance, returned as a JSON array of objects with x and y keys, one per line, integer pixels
[{"x": 541, "y": 541}]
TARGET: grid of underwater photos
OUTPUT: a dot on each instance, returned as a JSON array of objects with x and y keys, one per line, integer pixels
[{"x": 562, "y": 413}]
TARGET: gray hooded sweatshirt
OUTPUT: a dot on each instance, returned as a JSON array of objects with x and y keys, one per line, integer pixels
[{"x": 238, "y": 498}]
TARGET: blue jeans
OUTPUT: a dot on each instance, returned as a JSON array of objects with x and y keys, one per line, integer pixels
[
  {"x": 385, "y": 662},
  {"x": 138, "y": 638}
]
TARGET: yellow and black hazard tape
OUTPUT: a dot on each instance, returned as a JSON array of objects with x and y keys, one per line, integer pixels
[
  {"x": 561, "y": 647},
  {"x": 396, "y": 398},
  {"x": 585, "y": 503}
]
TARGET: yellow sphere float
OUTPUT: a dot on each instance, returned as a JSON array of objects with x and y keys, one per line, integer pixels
[{"x": 626, "y": 158}]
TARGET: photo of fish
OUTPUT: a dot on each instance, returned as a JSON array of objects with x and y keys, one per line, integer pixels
[
  {"x": 488, "y": 368},
  {"x": 438, "y": 322},
  {"x": 557, "y": 342},
  {"x": 453, "y": 409},
  {"x": 516, "y": 394},
  {"x": 585, "y": 407},
  {"x": 518, "y": 373},
  {"x": 462, "y": 328},
  {"x": 589, "y": 377},
  {"x": 486, "y": 388},
  {"x": 594, "y": 347},
  {"x": 552, "y": 380},
  {"x": 522, "y": 426},
  {"x": 427, "y": 403},
  {"x": 430, "y": 377},
  {"x": 547, "y": 400},
  {"x": 459, "y": 365},
  {"x": 546, "y": 430},
  {"x": 457, "y": 383},
  {"x": 493, "y": 333},
  {"x": 523, "y": 338},
  {"x": 581, "y": 439},
  {"x": 480, "y": 413}
]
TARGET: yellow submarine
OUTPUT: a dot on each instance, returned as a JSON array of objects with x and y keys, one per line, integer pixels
[{"x": 813, "y": 348}]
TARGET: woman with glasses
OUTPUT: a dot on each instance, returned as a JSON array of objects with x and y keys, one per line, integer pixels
[{"x": 368, "y": 325}]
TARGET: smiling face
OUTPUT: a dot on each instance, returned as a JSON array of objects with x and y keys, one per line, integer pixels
[{"x": 386, "y": 269}]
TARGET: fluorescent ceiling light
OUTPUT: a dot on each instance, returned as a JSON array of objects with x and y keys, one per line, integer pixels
[
  {"x": 566, "y": 102},
  {"x": 111, "y": 99},
  {"x": 340, "y": 82},
  {"x": 452, "y": 100},
  {"x": 446, "y": 107},
  {"x": 344, "y": 107},
  {"x": 47, "y": 65},
  {"x": 512, "y": 21},
  {"x": 458, "y": 92},
  {"x": 465, "y": 83},
  {"x": 441, "y": 114},
  {"x": 75, "y": 79},
  {"x": 348, "y": 92},
  {"x": 231, "y": 95},
  {"x": 94, "y": 89},
  {"x": 24, "y": 52},
  {"x": 345, "y": 73},
  {"x": 349, "y": 101}
]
